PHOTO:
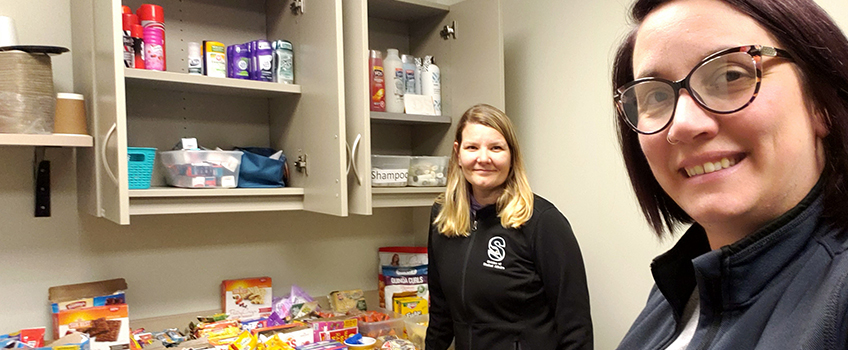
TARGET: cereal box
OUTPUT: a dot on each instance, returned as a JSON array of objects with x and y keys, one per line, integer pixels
[
  {"x": 246, "y": 298},
  {"x": 107, "y": 326}
]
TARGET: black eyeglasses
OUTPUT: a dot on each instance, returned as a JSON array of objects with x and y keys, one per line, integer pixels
[{"x": 724, "y": 82}]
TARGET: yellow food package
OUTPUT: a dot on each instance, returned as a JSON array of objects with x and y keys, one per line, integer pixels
[
  {"x": 245, "y": 341},
  {"x": 411, "y": 306}
]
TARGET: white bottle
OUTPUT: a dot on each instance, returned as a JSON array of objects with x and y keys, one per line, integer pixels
[
  {"x": 418, "y": 76},
  {"x": 395, "y": 86},
  {"x": 431, "y": 82},
  {"x": 195, "y": 65}
]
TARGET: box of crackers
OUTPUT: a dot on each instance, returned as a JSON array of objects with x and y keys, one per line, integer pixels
[{"x": 246, "y": 298}]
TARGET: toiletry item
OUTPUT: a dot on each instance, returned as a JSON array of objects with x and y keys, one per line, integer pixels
[
  {"x": 152, "y": 19},
  {"x": 283, "y": 62},
  {"x": 378, "y": 92},
  {"x": 408, "y": 73},
  {"x": 431, "y": 82},
  {"x": 214, "y": 59},
  {"x": 137, "y": 35},
  {"x": 395, "y": 86},
  {"x": 238, "y": 61},
  {"x": 418, "y": 67},
  {"x": 195, "y": 67},
  {"x": 128, "y": 20},
  {"x": 261, "y": 61}
]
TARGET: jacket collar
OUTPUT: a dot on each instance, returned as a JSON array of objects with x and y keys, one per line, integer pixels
[{"x": 731, "y": 275}]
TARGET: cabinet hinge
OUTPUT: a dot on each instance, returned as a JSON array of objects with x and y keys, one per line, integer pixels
[
  {"x": 300, "y": 164},
  {"x": 449, "y": 31},
  {"x": 297, "y": 7}
]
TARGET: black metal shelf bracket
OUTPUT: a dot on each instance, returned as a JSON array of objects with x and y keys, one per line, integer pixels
[{"x": 41, "y": 173}]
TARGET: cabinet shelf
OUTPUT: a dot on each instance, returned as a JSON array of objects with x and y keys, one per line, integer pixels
[
  {"x": 390, "y": 197},
  {"x": 171, "y": 200},
  {"x": 52, "y": 140},
  {"x": 405, "y": 10},
  {"x": 203, "y": 84},
  {"x": 403, "y": 118}
]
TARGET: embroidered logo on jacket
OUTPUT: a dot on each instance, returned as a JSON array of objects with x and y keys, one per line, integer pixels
[{"x": 496, "y": 252}]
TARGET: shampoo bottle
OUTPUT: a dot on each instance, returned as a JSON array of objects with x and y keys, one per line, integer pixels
[
  {"x": 395, "y": 86},
  {"x": 431, "y": 83},
  {"x": 378, "y": 92}
]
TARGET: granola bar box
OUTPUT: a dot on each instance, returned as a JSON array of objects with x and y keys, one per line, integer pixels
[
  {"x": 246, "y": 298},
  {"x": 107, "y": 326}
]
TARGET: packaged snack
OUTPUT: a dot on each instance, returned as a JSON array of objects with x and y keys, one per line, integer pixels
[
  {"x": 347, "y": 300},
  {"x": 398, "y": 257},
  {"x": 246, "y": 298},
  {"x": 335, "y": 328},
  {"x": 411, "y": 306},
  {"x": 405, "y": 282},
  {"x": 398, "y": 344},
  {"x": 107, "y": 326},
  {"x": 323, "y": 345}
]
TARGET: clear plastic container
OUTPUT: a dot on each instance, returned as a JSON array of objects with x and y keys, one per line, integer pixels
[
  {"x": 389, "y": 170},
  {"x": 416, "y": 329},
  {"x": 428, "y": 171},
  {"x": 201, "y": 169},
  {"x": 392, "y": 326}
]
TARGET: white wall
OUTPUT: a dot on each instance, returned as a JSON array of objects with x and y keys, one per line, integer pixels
[{"x": 558, "y": 91}]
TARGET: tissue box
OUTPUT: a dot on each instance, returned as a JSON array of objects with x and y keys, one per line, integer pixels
[{"x": 201, "y": 169}]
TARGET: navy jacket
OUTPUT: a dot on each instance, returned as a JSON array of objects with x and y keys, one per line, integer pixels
[
  {"x": 510, "y": 289},
  {"x": 783, "y": 287}
]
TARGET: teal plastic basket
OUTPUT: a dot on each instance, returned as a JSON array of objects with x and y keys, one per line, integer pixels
[{"x": 140, "y": 166}]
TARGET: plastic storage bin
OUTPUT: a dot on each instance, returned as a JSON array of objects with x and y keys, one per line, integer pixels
[
  {"x": 141, "y": 160},
  {"x": 416, "y": 329},
  {"x": 428, "y": 171},
  {"x": 392, "y": 326},
  {"x": 389, "y": 170},
  {"x": 201, "y": 169}
]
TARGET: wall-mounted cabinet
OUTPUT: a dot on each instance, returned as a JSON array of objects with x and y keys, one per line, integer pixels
[
  {"x": 324, "y": 118},
  {"x": 138, "y": 108},
  {"x": 472, "y": 67}
]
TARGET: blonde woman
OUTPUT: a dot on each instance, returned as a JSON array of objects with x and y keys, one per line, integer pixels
[{"x": 505, "y": 268}]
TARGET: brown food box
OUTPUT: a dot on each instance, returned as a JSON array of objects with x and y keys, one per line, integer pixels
[{"x": 107, "y": 325}]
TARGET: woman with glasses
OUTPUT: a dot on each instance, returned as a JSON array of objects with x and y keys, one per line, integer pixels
[
  {"x": 733, "y": 117},
  {"x": 505, "y": 270}
]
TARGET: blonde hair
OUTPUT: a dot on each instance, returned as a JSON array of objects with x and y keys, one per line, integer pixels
[{"x": 515, "y": 204}]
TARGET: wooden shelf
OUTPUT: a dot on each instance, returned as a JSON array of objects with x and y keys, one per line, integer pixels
[
  {"x": 405, "y": 10},
  {"x": 392, "y": 197},
  {"x": 172, "y": 200},
  {"x": 403, "y": 118},
  {"x": 52, "y": 140},
  {"x": 201, "y": 83}
]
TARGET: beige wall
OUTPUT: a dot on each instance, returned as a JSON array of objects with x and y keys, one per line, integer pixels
[{"x": 558, "y": 55}]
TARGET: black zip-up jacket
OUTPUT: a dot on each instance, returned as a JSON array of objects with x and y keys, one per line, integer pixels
[
  {"x": 783, "y": 287},
  {"x": 511, "y": 289}
]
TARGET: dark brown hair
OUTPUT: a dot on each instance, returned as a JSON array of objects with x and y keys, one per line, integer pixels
[{"x": 820, "y": 51}]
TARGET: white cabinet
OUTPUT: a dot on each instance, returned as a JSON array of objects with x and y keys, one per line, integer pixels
[
  {"x": 472, "y": 66},
  {"x": 130, "y": 107}
]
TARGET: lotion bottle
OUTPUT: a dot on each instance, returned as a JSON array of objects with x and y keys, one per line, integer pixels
[{"x": 395, "y": 86}]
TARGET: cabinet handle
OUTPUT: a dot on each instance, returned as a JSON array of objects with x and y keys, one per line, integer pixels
[
  {"x": 352, "y": 158},
  {"x": 103, "y": 153}
]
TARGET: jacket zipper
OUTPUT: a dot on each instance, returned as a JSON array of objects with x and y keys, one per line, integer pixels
[{"x": 465, "y": 263}]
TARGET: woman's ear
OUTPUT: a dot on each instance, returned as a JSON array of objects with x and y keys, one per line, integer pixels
[
  {"x": 821, "y": 122},
  {"x": 456, "y": 153}
]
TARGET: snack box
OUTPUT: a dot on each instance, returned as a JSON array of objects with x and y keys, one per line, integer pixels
[
  {"x": 81, "y": 295},
  {"x": 334, "y": 328},
  {"x": 246, "y": 298},
  {"x": 201, "y": 168},
  {"x": 390, "y": 323},
  {"x": 411, "y": 306},
  {"x": 107, "y": 326},
  {"x": 323, "y": 345},
  {"x": 293, "y": 334}
]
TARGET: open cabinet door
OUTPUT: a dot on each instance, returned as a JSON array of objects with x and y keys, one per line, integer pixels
[
  {"x": 477, "y": 55},
  {"x": 312, "y": 127},
  {"x": 357, "y": 109},
  {"x": 99, "y": 75}
]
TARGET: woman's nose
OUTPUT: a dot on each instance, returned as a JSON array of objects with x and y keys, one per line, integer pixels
[{"x": 691, "y": 121}]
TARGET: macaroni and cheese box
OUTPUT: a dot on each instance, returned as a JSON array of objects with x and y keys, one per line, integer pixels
[
  {"x": 411, "y": 306},
  {"x": 246, "y": 298},
  {"x": 107, "y": 326}
]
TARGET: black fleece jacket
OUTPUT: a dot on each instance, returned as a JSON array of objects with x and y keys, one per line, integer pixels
[{"x": 504, "y": 288}]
